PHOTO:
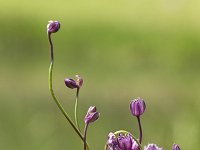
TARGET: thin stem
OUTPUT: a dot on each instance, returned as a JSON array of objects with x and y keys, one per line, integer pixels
[
  {"x": 140, "y": 129},
  {"x": 51, "y": 46},
  {"x": 85, "y": 133},
  {"x": 53, "y": 95},
  {"x": 58, "y": 103},
  {"x": 76, "y": 110}
]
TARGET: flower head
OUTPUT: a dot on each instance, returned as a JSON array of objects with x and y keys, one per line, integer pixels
[
  {"x": 175, "y": 147},
  {"x": 112, "y": 143},
  {"x": 137, "y": 107},
  {"x": 152, "y": 147},
  {"x": 53, "y": 26},
  {"x": 92, "y": 115},
  {"x": 121, "y": 142},
  {"x": 70, "y": 83}
]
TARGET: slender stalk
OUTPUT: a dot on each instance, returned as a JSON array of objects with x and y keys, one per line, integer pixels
[
  {"x": 85, "y": 133},
  {"x": 53, "y": 95},
  {"x": 140, "y": 129},
  {"x": 76, "y": 110},
  {"x": 58, "y": 103}
]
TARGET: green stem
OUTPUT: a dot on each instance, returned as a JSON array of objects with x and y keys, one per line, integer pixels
[
  {"x": 59, "y": 105},
  {"x": 53, "y": 95},
  {"x": 85, "y": 133},
  {"x": 76, "y": 110}
]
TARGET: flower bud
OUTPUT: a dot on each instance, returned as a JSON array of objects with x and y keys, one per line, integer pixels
[
  {"x": 152, "y": 147},
  {"x": 70, "y": 83},
  {"x": 175, "y": 147},
  {"x": 125, "y": 142},
  {"x": 121, "y": 142},
  {"x": 137, "y": 107},
  {"x": 112, "y": 143},
  {"x": 92, "y": 115},
  {"x": 53, "y": 26}
]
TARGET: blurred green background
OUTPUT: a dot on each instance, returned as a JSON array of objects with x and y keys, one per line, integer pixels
[{"x": 122, "y": 48}]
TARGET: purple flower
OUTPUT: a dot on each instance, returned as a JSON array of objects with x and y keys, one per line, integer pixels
[
  {"x": 125, "y": 142},
  {"x": 152, "y": 147},
  {"x": 175, "y": 147},
  {"x": 112, "y": 143},
  {"x": 137, "y": 107},
  {"x": 92, "y": 115},
  {"x": 53, "y": 26},
  {"x": 70, "y": 83},
  {"x": 121, "y": 142}
]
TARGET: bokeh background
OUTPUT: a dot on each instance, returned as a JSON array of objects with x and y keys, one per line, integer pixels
[{"x": 122, "y": 48}]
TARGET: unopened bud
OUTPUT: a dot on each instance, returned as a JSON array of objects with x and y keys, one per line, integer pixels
[
  {"x": 70, "y": 83},
  {"x": 92, "y": 115},
  {"x": 137, "y": 107},
  {"x": 53, "y": 26}
]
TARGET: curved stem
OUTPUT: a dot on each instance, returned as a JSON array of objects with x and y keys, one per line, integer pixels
[
  {"x": 85, "y": 133},
  {"x": 76, "y": 109},
  {"x": 53, "y": 95},
  {"x": 58, "y": 103},
  {"x": 140, "y": 129}
]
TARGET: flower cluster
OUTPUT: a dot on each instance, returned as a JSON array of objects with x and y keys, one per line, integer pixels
[
  {"x": 119, "y": 140},
  {"x": 124, "y": 140}
]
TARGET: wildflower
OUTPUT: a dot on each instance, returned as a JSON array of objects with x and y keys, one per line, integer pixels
[
  {"x": 137, "y": 107},
  {"x": 112, "y": 143},
  {"x": 92, "y": 115},
  {"x": 70, "y": 83},
  {"x": 121, "y": 142},
  {"x": 53, "y": 26}
]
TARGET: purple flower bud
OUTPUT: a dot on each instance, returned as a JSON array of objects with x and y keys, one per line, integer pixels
[
  {"x": 70, "y": 83},
  {"x": 175, "y": 147},
  {"x": 121, "y": 142},
  {"x": 137, "y": 107},
  {"x": 152, "y": 147},
  {"x": 112, "y": 143},
  {"x": 53, "y": 26},
  {"x": 92, "y": 115},
  {"x": 125, "y": 142}
]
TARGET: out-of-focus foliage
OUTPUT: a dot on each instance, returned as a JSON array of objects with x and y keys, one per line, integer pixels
[{"x": 122, "y": 49}]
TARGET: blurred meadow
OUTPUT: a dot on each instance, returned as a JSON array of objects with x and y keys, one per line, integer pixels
[{"x": 123, "y": 49}]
